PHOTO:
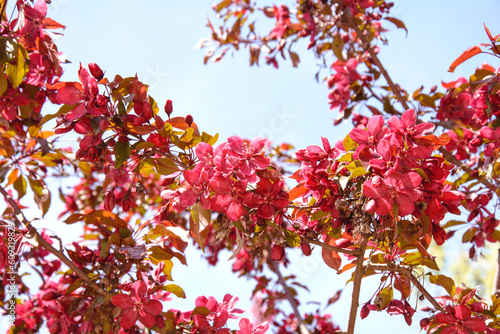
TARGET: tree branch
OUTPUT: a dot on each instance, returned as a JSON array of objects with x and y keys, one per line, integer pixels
[
  {"x": 496, "y": 282},
  {"x": 33, "y": 233},
  {"x": 275, "y": 267},
  {"x": 451, "y": 158},
  {"x": 358, "y": 275},
  {"x": 408, "y": 272},
  {"x": 394, "y": 88}
]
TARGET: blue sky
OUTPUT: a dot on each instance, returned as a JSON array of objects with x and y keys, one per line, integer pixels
[{"x": 155, "y": 39}]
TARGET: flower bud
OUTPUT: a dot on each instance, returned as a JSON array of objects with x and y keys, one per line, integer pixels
[
  {"x": 51, "y": 295},
  {"x": 306, "y": 248},
  {"x": 109, "y": 201},
  {"x": 96, "y": 71},
  {"x": 278, "y": 253},
  {"x": 364, "y": 311},
  {"x": 189, "y": 120},
  {"x": 168, "y": 107}
]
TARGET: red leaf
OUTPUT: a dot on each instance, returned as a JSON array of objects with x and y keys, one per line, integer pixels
[
  {"x": 299, "y": 190},
  {"x": 331, "y": 258},
  {"x": 180, "y": 123},
  {"x": 48, "y": 23},
  {"x": 471, "y": 52},
  {"x": 335, "y": 297}
]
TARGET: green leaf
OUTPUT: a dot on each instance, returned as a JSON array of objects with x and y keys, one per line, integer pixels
[
  {"x": 20, "y": 185},
  {"x": 65, "y": 108},
  {"x": 41, "y": 195},
  {"x": 384, "y": 297},
  {"x": 16, "y": 72},
  {"x": 3, "y": 81},
  {"x": 349, "y": 144},
  {"x": 292, "y": 238},
  {"x": 165, "y": 166},
  {"x": 122, "y": 152},
  {"x": 175, "y": 289},
  {"x": 447, "y": 283}
]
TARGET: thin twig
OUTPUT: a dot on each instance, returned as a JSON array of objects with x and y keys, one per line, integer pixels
[
  {"x": 358, "y": 275},
  {"x": 353, "y": 252},
  {"x": 394, "y": 88},
  {"x": 451, "y": 158},
  {"x": 33, "y": 233},
  {"x": 408, "y": 272},
  {"x": 397, "y": 92},
  {"x": 275, "y": 267}
]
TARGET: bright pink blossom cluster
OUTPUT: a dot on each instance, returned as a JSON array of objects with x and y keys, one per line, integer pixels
[{"x": 231, "y": 179}]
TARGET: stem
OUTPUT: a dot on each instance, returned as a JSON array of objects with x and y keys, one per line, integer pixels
[
  {"x": 496, "y": 282},
  {"x": 353, "y": 252},
  {"x": 395, "y": 89},
  {"x": 407, "y": 271},
  {"x": 358, "y": 275},
  {"x": 397, "y": 92},
  {"x": 33, "y": 233},
  {"x": 275, "y": 267},
  {"x": 451, "y": 158}
]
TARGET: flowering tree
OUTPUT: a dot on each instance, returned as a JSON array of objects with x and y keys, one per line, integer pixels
[{"x": 151, "y": 183}]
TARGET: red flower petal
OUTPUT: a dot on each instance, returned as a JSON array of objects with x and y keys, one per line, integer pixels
[{"x": 122, "y": 301}]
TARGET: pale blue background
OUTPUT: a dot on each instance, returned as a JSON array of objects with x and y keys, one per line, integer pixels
[{"x": 155, "y": 39}]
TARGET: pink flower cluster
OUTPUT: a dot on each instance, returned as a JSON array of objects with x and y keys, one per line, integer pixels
[
  {"x": 404, "y": 172},
  {"x": 340, "y": 83},
  {"x": 231, "y": 179}
]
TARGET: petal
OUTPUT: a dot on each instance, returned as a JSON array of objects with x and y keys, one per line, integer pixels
[
  {"x": 204, "y": 151},
  {"x": 122, "y": 301},
  {"x": 462, "y": 312},
  {"x": 359, "y": 136},
  {"x": 445, "y": 319},
  {"x": 69, "y": 95},
  {"x": 41, "y": 8},
  {"x": 235, "y": 210},
  {"x": 245, "y": 326},
  {"x": 375, "y": 124},
  {"x": 409, "y": 119},
  {"x": 147, "y": 319},
  {"x": 406, "y": 205},
  {"x": 423, "y": 128},
  {"x": 475, "y": 324},
  {"x": 188, "y": 198},
  {"x": 396, "y": 125},
  {"x": 153, "y": 306},
  {"x": 258, "y": 144},
  {"x": 384, "y": 206},
  {"x": 76, "y": 113},
  {"x": 237, "y": 145},
  {"x": 129, "y": 318},
  {"x": 411, "y": 180},
  {"x": 139, "y": 289},
  {"x": 266, "y": 211}
]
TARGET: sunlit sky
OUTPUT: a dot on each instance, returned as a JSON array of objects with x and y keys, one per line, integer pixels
[{"x": 155, "y": 39}]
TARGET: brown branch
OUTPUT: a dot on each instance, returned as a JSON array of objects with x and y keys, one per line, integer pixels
[
  {"x": 451, "y": 158},
  {"x": 408, "y": 272},
  {"x": 353, "y": 252},
  {"x": 496, "y": 282},
  {"x": 275, "y": 267},
  {"x": 397, "y": 92},
  {"x": 358, "y": 275},
  {"x": 33, "y": 233},
  {"x": 366, "y": 44}
]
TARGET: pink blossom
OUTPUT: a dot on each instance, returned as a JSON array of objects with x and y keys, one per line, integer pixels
[
  {"x": 137, "y": 305},
  {"x": 402, "y": 189}
]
